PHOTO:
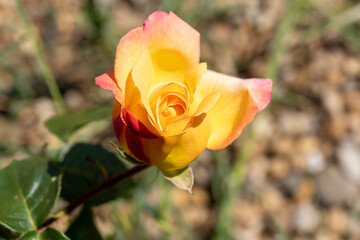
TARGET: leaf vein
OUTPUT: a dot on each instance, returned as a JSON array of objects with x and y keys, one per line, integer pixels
[{"x": 22, "y": 197}]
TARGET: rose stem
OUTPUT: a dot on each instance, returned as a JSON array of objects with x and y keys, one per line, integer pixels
[{"x": 110, "y": 182}]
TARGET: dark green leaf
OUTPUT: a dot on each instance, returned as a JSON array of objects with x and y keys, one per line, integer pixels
[
  {"x": 32, "y": 235},
  {"x": 86, "y": 166},
  {"x": 83, "y": 227},
  {"x": 63, "y": 126},
  {"x": 28, "y": 193},
  {"x": 49, "y": 234},
  {"x": 53, "y": 234}
]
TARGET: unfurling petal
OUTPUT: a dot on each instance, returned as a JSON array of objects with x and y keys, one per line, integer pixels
[
  {"x": 239, "y": 101},
  {"x": 107, "y": 81}
]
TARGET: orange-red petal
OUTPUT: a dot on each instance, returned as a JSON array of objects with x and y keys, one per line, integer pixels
[
  {"x": 131, "y": 143},
  {"x": 135, "y": 125},
  {"x": 107, "y": 81}
]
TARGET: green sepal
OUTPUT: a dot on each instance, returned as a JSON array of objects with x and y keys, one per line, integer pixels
[
  {"x": 127, "y": 157},
  {"x": 182, "y": 178}
]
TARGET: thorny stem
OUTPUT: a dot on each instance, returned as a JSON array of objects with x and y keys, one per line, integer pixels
[{"x": 110, "y": 182}]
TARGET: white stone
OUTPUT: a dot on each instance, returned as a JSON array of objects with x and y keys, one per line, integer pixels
[
  {"x": 306, "y": 218},
  {"x": 348, "y": 154},
  {"x": 315, "y": 161}
]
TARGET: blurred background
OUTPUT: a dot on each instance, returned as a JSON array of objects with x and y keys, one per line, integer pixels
[{"x": 295, "y": 171}]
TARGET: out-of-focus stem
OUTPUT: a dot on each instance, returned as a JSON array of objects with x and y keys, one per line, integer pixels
[
  {"x": 235, "y": 181},
  {"x": 41, "y": 60}
]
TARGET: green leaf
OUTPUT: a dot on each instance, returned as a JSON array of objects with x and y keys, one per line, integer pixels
[
  {"x": 48, "y": 234},
  {"x": 85, "y": 167},
  {"x": 28, "y": 193},
  {"x": 84, "y": 227},
  {"x": 63, "y": 126},
  {"x": 183, "y": 178}
]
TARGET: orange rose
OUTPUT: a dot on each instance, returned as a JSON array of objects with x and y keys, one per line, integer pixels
[{"x": 168, "y": 107}]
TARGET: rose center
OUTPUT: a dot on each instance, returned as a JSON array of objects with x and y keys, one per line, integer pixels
[
  {"x": 172, "y": 105},
  {"x": 169, "y": 103},
  {"x": 172, "y": 111}
]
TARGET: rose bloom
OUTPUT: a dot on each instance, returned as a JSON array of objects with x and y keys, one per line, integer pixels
[{"x": 168, "y": 107}]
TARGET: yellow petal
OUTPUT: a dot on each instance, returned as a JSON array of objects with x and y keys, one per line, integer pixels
[
  {"x": 128, "y": 50},
  {"x": 239, "y": 101},
  {"x": 178, "y": 126},
  {"x": 177, "y": 152},
  {"x": 193, "y": 76},
  {"x": 172, "y": 43},
  {"x": 166, "y": 31},
  {"x": 207, "y": 103},
  {"x": 143, "y": 75},
  {"x": 167, "y": 153},
  {"x": 151, "y": 89}
]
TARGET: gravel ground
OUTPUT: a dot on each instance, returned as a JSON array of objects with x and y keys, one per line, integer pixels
[{"x": 302, "y": 173}]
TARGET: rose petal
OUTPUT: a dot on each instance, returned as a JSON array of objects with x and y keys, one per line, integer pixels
[
  {"x": 131, "y": 143},
  {"x": 239, "y": 101},
  {"x": 260, "y": 91},
  {"x": 136, "y": 126},
  {"x": 193, "y": 76},
  {"x": 178, "y": 126},
  {"x": 134, "y": 105},
  {"x": 143, "y": 75},
  {"x": 107, "y": 81},
  {"x": 118, "y": 123},
  {"x": 128, "y": 50},
  {"x": 161, "y": 31},
  {"x": 207, "y": 103},
  {"x": 167, "y": 31},
  {"x": 176, "y": 152},
  {"x": 167, "y": 153}
]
